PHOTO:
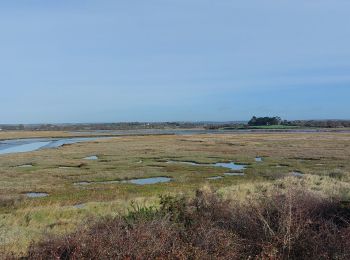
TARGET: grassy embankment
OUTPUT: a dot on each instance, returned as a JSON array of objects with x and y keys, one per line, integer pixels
[{"x": 322, "y": 158}]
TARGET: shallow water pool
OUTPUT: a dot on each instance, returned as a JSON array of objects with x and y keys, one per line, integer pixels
[{"x": 36, "y": 194}]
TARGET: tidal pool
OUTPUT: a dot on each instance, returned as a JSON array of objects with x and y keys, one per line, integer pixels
[
  {"x": 146, "y": 181},
  {"x": 93, "y": 157},
  {"x": 79, "y": 206},
  {"x": 189, "y": 163},
  {"x": 234, "y": 174},
  {"x": 229, "y": 165},
  {"x": 36, "y": 194},
  {"x": 215, "y": 178},
  {"x": 140, "y": 181},
  {"x": 297, "y": 174}
]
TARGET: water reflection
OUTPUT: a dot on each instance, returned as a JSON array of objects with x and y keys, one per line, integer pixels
[
  {"x": 36, "y": 194},
  {"x": 229, "y": 165},
  {"x": 93, "y": 157},
  {"x": 33, "y": 144},
  {"x": 139, "y": 181}
]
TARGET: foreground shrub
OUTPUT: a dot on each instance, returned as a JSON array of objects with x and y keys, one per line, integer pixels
[{"x": 293, "y": 225}]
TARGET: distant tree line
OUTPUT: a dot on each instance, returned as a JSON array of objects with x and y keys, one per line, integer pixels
[
  {"x": 102, "y": 126},
  {"x": 254, "y": 121},
  {"x": 322, "y": 123},
  {"x": 265, "y": 121}
]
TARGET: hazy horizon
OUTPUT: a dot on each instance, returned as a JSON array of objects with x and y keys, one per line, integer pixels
[
  {"x": 180, "y": 121},
  {"x": 158, "y": 61}
]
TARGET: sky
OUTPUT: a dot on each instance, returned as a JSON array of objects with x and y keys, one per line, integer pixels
[{"x": 173, "y": 60}]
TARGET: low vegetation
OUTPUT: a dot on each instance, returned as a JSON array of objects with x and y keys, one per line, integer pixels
[{"x": 293, "y": 224}]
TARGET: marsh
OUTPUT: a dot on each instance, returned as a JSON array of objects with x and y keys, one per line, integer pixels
[{"x": 141, "y": 168}]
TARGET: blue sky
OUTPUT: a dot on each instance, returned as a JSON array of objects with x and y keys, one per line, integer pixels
[{"x": 173, "y": 60}]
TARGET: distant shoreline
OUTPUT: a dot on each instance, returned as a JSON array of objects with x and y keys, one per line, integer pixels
[{"x": 20, "y": 134}]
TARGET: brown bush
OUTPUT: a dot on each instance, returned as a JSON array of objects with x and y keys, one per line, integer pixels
[{"x": 293, "y": 225}]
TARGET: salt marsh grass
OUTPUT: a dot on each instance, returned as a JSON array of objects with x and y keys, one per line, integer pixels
[{"x": 322, "y": 158}]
